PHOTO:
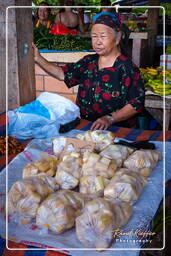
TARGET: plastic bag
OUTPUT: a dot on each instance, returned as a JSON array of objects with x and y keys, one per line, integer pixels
[
  {"x": 69, "y": 171},
  {"x": 93, "y": 185},
  {"x": 143, "y": 161},
  {"x": 47, "y": 165},
  {"x": 94, "y": 228},
  {"x": 118, "y": 153},
  {"x": 26, "y": 126},
  {"x": 32, "y": 121},
  {"x": 102, "y": 139},
  {"x": 41, "y": 118},
  {"x": 60, "y": 108},
  {"x": 59, "y": 210},
  {"x": 125, "y": 185},
  {"x": 26, "y": 195},
  {"x": 94, "y": 164}
]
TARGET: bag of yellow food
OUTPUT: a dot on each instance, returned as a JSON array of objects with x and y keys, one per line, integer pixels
[{"x": 26, "y": 195}]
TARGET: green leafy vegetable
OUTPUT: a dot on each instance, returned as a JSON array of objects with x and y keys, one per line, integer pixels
[{"x": 45, "y": 40}]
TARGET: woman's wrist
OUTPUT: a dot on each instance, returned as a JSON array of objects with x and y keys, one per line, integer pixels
[{"x": 111, "y": 118}]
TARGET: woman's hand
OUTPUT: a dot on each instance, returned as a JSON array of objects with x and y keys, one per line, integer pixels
[
  {"x": 101, "y": 123},
  {"x": 36, "y": 52}
]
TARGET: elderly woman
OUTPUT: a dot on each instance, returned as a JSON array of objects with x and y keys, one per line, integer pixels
[
  {"x": 42, "y": 16},
  {"x": 110, "y": 88}
]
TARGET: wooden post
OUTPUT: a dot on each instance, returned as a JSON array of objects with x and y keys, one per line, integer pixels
[
  {"x": 20, "y": 66},
  {"x": 2, "y": 58},
  {"x": 26, "y": 73},
  {"x": 152, "y": 22}
]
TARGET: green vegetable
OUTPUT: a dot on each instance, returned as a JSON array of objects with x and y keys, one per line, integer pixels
[{"x": 45, "y": 40}]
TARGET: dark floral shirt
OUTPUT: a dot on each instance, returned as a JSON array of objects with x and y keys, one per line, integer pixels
[{"x": 106, "y": 90}]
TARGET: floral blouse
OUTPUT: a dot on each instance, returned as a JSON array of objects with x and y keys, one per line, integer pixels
[{"x": 103, "y": 91}]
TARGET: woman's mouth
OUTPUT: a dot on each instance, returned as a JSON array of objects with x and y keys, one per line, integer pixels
[{"x": 98, "y": 49}]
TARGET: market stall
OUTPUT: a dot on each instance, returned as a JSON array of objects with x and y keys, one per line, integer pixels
[{"x": 121, "y": 182}]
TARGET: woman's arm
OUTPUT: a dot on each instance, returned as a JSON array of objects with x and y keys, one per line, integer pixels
[
  {"x": 50, "y": 68},
  {"x": 123, "y": 114}
]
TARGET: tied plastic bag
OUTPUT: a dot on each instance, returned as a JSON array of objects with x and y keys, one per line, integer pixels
[
  {"x": 41, "y": 118},
  {"x": 31, "y": 121},
  {"x": 60, "y": 108}
]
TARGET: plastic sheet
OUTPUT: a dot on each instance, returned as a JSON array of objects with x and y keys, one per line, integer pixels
[{"x": 143, "y": 211}]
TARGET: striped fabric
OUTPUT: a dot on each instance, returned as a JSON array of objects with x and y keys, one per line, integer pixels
[{"x": 126, "y": 133}]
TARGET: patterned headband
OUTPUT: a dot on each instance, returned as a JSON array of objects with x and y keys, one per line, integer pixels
[{"x": 109, "y": 19}]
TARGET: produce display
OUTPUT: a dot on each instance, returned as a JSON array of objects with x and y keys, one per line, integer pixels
[
  {"x": 153, "y": 79},
  {"x": 92, "y": 190},
  {"x": 135, "y": 26},
  {"x": 45, "y": 40}
]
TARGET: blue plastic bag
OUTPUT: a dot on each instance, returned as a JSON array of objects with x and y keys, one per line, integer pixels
[{"x": 32, "y": 121}]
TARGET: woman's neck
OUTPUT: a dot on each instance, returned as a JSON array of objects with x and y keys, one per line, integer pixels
[{"x": 108, "y": 60}]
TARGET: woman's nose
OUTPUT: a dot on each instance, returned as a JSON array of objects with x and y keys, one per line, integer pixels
[{"x": 99, "y": 41}]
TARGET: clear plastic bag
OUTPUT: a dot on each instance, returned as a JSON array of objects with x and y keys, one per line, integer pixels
[
  {"x": 102, "y": 139},
  {"x": 118, "y": 153},
  {"x": 26, "y": 195},
  {"x": 69, "y": 171},
  {"x": 94, "y": 164},
  {"x": 125, "y": 185},
  {"x": 100, "y": 217},
  {"x": 59, "y": 210},
  {"x": 93, "y": 185},
  {"x": 46, "y": 165},
  {"x": 143, "y": 161}
]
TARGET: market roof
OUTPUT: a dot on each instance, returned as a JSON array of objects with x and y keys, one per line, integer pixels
[{"x": 137, "y": 2}]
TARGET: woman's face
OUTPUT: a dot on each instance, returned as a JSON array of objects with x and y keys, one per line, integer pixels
[
  {"x": 103, "y": 39},
  {"x": 43, "y": 13}
]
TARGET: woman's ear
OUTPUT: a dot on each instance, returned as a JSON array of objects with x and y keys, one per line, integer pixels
[{"x": 118, "y": 37}]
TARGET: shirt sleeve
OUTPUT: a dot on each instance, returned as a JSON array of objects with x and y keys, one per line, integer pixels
[
  {"x": 73, "y": 73},
  {"x": 136, "y": 91}
]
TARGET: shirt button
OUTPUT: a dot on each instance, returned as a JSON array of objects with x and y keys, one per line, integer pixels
[
  {"x": 89, "y": 103},
  {"x": 86, "y": 115}
]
